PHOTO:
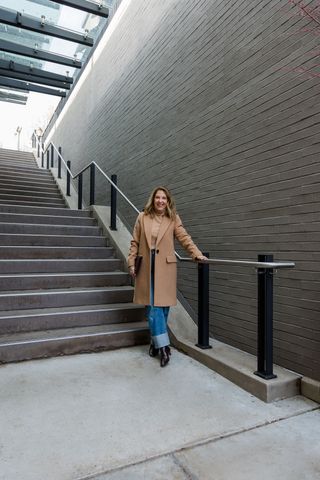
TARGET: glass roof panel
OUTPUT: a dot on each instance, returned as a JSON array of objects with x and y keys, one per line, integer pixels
[
  {"x": 55, "y": 14},
  {"x": 68, "y": 18}
]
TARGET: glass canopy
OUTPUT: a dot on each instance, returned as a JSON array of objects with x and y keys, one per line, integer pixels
[{"x": 44, "y": 44}]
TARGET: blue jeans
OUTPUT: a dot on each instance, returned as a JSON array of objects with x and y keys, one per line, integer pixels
[{"x": 157, "y": 316}]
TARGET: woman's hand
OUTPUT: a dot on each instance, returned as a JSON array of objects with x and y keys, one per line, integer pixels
[
  {"x": 201, "y": 258},
  {"x": 132, "y": 272}
]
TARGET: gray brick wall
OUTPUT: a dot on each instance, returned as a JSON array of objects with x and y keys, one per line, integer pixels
[{"x": 218, "y": 100}]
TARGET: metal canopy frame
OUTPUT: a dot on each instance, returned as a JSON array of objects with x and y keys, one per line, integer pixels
[
  {"x": 34, "y": 78},
  {"x": 7, "y": 96},
  {"x": 86, "y": 6},
  {"x": 9, "y": 67},
  {"x": 17, "y": 49},
  {"x": 27, "y": 22},
  {"x": 29, "y": 87},
  {"x": 20, "y": 74}
]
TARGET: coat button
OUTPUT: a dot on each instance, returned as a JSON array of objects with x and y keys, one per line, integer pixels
[{"x": 157, "y": 251}]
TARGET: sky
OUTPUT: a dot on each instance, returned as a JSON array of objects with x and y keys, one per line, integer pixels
[{"x": 36, "y": 113}]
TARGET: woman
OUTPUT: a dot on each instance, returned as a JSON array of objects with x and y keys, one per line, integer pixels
[{"x": 155, "y": 283}]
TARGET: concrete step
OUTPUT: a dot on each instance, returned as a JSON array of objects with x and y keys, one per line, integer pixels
[
  {"x": 68, "y": 317},
  {"x": 9, "y": 156},
  {"x": 46, "y": 219},
  {"x": 35, "y": 281},
  {"x": 46, "y": 229},
  {"x": 38, "y": 210},
  {"x": 16, "y": 153},
  {"x": 26, "y": 180},
  {"x": 37, "y": 252},
  {"x": 31, "y": 199},
  {"x": 28, "y": 193},
  {"x": 60, "y": 266},
  {"x": 21, "y": 186},
  {"x": 30, "y": 345},
  {"x": 60, "y": 204},
  {"x": 32, "y": 170},
  {"x": 7, "y": 162},
  {"x": 7, "y": 239},
  {"x": 64, "y": 298}
]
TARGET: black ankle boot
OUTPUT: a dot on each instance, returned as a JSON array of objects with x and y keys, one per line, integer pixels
[
  {"x": 153, "y": 351},
  {"x": 165, "y": 353}
]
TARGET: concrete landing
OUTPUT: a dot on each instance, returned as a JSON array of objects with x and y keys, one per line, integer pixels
[{"x": 117, "y": 415}]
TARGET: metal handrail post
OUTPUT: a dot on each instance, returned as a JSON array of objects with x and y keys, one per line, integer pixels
[
  {"x": 80, "y": 191},
  {"x": 203, "y": 305},
  {"x": 92, "y": 183},
  {"x": 59, "y": 162},
  {"x": 68, "y": 178},
  {"x": 52, "y": 156},
  {"x": 113, "y": 204},
  {"x": 42, "y": 156},
  {"x": 265, "y": 320}
]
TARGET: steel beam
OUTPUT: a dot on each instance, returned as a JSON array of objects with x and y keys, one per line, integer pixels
[
  {"x": 10, "y": 100},
  {"x": 6, "y": 92},
  {"x": 21, "y": 20},
  {"x": 29, "y": 87},
  {"x": 8, "y": 66},
  {"x": 18, "y": 49},
  {"x": 12, "y": 96},
  {"x": 33, "y": 79},
  {"x": 86, "y": 6}
]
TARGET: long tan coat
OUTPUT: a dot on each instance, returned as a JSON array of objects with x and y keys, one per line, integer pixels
[{"x": 165, "y": 281}]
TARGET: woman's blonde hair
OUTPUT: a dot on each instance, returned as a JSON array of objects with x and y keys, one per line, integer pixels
[{"x": 170, "y": 208}]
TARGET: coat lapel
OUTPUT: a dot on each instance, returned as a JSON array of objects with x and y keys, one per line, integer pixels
[
  {"x": 163, "y": 228},
  {"x": 147, "y": 222}
]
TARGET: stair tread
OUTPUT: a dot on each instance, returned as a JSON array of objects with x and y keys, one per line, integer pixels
[
  {"x": 55, "y": 210},
  {"x": 64, "y": 225},
  {"x": 38, "y": 215},
  {"x": 73, "y": 309},
  {"x": 54, "y": 291},
  {"x": 34, "y": 260},
  {"x": 69, "y": 333},
  {"x": 39, "y": 235},
  {"x": 52, "y": 247},
  {"x": 62, "y": 274}
]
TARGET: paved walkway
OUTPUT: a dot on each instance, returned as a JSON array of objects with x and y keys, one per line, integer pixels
[{"x": 118, "y": 415}]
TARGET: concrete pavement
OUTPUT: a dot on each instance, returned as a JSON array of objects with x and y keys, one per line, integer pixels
[{"x": 116, "y": 415}]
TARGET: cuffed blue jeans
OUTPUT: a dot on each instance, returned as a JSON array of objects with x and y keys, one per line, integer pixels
[{"x": 157, "y": 316}]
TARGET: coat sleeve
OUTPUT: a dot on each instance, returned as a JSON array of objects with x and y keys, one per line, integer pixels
[
  {"x": 185, "y": 240},
  {"x": 134, "y": 244}
]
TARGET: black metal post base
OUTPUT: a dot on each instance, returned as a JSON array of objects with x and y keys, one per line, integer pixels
[
  {"x": 266, "y": 376},
  {"x": 203, "y": 347}
]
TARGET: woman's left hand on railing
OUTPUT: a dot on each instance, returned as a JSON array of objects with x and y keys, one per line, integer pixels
[{"x": 201, "y": 258}]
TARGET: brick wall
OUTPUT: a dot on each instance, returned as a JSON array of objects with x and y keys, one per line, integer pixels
[{"x": 218, "y": 100}]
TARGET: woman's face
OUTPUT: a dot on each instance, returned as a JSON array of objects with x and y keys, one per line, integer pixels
[{"x": 160, "y": 201}]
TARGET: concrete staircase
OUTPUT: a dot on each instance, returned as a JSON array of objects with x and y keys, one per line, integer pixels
[{"x": 62, "y": 289}]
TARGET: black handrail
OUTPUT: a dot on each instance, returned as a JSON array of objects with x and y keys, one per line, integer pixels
[{"x": 265, "y": 268}]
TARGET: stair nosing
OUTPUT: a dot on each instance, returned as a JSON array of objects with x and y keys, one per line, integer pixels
[
  {"x": 48, "y": 311},
  {"x": 117, "y": 331}
]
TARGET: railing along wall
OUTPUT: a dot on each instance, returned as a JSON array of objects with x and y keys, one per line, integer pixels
[{"x": 265, "y": 264}]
